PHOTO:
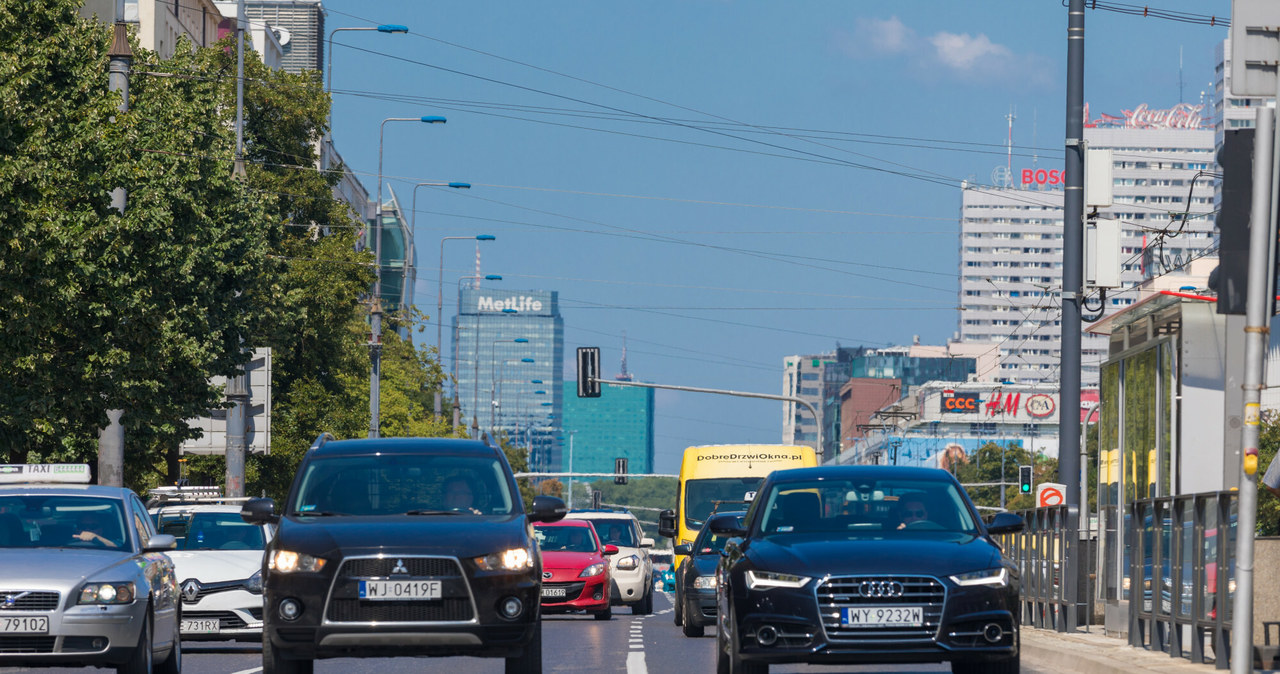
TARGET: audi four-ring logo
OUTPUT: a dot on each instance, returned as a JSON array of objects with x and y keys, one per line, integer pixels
[{"x": 880, "y": 589}]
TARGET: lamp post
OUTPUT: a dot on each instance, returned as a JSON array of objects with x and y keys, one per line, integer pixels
[
  {"x": 375, "y": 309},
  {"x": 456, "y": 337},
  {"x": 384, "y": 28},
  {"x": 475, "y": 373},
  {"x": 440, "y": 277},
  {"x": 494, "y": 374}
]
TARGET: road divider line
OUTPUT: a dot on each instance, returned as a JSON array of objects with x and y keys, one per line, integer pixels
[
  {"x": 635, "y": 663},
  {"x": 248, "y": 671}
]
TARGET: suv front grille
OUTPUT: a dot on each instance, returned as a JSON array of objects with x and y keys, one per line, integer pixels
[
  {"x": 29, "y": 601},
  {"x": 417, "y": 567},
  {"x": 841, "y": 592},
  {"x": 356, "y": 610},
  {"x": 346, "y": 606}
]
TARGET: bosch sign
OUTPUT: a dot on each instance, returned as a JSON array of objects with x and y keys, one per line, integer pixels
[
  {"x": 1043, "y": 177},
  {"x": 961, "y": 403}
]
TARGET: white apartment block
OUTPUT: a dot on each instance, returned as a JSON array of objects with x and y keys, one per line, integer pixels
[
  {"x": 1011, "y": 239},
  {"x": 159, "y": 23},
  {"x": 802, "y": 377}
]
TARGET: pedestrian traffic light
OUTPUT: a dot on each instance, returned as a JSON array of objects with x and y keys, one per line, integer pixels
[
  {"x": 620, "y": 470},
  {"x": 588, "y": 372},
  {"x": 1024, "y": 480},
  {"x": 1230, "y": 278}
]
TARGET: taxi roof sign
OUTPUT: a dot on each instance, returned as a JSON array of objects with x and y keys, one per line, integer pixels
[{"x": 27, "y": 473}]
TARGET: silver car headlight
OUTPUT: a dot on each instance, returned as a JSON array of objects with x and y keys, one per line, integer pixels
[
  {"x": 286, "y": 561},
  {"x": 705, "y": 582},
  {"x": 764, "y": 580},
  {"x": 254, "y": 584},
  {"x": 515, "y": 559},
  {"x": 629, "y": 562},
  {"x": 994, "y": 577},
  {"x": 107, "y": 593},
  {"x": 593, "y": 570}
]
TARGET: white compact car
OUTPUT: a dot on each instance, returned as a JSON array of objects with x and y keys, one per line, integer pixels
[
  {"x": 630, "y": 571},
  {"x": 218, "y": 564}
]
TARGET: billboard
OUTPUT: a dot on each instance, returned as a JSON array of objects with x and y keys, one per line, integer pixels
[{"x": 213, "y": 427}]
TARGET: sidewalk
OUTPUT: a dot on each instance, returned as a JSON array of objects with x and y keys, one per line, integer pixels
[{"x": 1094, "y": 653}]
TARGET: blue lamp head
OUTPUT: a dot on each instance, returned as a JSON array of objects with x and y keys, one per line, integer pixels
[
  {"x": 493, "y": 277},
  {"x": 433, "y": 119},
  {"x": 392, "y": 28},
  {"x": 521, "y": 340},
  {"x": 460, "y": 186},
  {"x": 486, "y": 237},
  {"x": 527, "y": 360},
  {"x": 535, "y": 381},
  {"x": 510, "y": 311}
]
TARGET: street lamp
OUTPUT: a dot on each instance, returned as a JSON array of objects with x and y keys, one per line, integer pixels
[
  {"x": 475, "y": 372},
  {"x": 493, "y": 382},
  {"x": 456, "y": 328},
  {"x": 375, "y": 309},
  {"x": 384, "y": 28},
  {"x": 440, "y": 277}
]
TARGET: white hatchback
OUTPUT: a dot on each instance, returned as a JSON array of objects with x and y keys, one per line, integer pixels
[
  {"x": 218, "y": 564},
  {"x": 630, "y": 572}
]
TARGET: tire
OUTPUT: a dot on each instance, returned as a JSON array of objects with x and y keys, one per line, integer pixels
[
  {"x": 273, "y": 663},
  {"x": 644, "y": 606},
  {"x": 606, "y": 614},
  {"x": 728, "y": 660},
  {"x": 692, "y": 630},
  {"x": 679, "y": 614},
  {"x": 142, "y": 659},
  {"x": 529, "y": 662},
  {"x": 173, "y": 663}
]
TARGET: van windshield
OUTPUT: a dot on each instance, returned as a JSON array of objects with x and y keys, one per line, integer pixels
[{"x": 700, "y": 496}]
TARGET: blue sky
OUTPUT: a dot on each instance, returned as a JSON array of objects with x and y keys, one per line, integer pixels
[{"x": 727, "y": 182}]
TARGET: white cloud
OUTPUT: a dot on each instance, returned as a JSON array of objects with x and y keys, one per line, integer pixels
[
  {"x": 967, "y": 53},
  {"x": 889, "y": 36}
]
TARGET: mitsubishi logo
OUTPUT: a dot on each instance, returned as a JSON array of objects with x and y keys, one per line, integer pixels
[
  {"x": 11, "y": 600},
  {"x": 399, "y": 567},
  {"x": 191, "y": 591},
  {"x": 880, "y": 589},
  {"x": 546, "y": 574}
]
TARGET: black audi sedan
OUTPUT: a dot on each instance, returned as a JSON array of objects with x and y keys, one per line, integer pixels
[
  {"x": 402, "y": 547},
  {"x": 866, "y": 564},
  {"x": 695, "y": 604}
]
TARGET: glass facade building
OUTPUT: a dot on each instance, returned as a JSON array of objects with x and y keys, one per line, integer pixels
[
  {"x": 617, "y": 424},
  {"x": 509, "y": 386}
]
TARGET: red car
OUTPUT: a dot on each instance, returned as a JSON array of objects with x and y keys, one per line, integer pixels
[{"x": 575, "y": 574}]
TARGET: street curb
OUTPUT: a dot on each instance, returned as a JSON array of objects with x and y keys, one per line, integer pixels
[{"x": 1094, "y": 653}]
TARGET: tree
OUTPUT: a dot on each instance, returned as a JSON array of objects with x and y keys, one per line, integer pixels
[{"x": 987, "y": 464}]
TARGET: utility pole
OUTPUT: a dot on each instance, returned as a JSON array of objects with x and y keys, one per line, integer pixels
[
  {"x": 111, "y": 438},
  {"x": 237, "y": 390},
  {"x": 1072, "y": 289}
]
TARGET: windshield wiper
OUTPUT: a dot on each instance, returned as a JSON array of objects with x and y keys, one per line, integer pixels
[{"x": 434, "y": 512}]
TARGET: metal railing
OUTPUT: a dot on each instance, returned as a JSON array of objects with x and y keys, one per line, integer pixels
[
  {"x": 1178, "y": 548},
  {"x": 1039, "y": 551}
]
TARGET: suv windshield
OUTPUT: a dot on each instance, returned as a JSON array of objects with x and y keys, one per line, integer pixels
[
  {"x": 862, "y": 506},
  {"x": 62, "y": 522},
  {"x": 392, "y": 484}
]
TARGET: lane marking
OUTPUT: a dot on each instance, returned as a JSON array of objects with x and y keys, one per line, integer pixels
[
  {"x": 635, "y": 663},
  {"x": 248, "y": 671}
]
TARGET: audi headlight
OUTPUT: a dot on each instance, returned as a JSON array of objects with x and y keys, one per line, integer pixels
[
  {"x": 705, "y": 582},
  {"x": 592, "y": 571},
  {"x": 286, "y": 561},
  {"x": 107, "y": 593},
  {"x": 629, "y": 562},
  {"x": 997, "y": 577},
  {"x": 254, "y": 584},
  {"x": 515, "y": 559},
  {"x": 763, "y": 580}
]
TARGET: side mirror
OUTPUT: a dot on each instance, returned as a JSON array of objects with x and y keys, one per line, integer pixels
[
  {"x": 610, "y": 550},
  {"x": 667, "y": 523},
  {"x": 1005, "y": 523},
  {"x": 646, "y": 542},
  {"x": 684, "y": 549},
  {"x": 547, "y": 509},
  {"x": 726, "y": 525},
  {"x": 259, "y": 511},
  {"x": 160, "y": 543}
]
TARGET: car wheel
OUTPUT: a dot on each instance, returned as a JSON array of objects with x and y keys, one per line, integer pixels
[
  {"x": 142, "y": 658},
  {"x": 645, "y": 606},
  {"x": 273, "y": 663},
  {"x": 679, "y": 615},
  {"x": 530, "y": 662},
  {"x": 691, "y": 629},
  {"x": 173, "y": 663},
  {"x": 606, "y": 614}
]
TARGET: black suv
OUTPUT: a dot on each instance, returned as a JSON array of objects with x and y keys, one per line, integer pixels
[{"x": 402, "y": 547}]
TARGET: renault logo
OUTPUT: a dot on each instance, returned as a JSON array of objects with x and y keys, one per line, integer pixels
[
  {"x": 191, "y": 590},
  {"x": 399, "y": 567},
  {"x": 546, "y": 574},
  {"x": 880, "y": 589},
  {"x": 12, "y": 599}
]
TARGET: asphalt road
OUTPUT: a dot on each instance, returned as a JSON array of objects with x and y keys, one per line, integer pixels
[{"x": 627, "y": 644}]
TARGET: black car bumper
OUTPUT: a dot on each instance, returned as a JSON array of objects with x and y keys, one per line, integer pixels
[{"x": 700, "y": 607}]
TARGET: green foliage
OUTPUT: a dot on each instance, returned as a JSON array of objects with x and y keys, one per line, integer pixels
[
  {"x": 990, "y": 461},
  {"x": 644, "y": 492}
]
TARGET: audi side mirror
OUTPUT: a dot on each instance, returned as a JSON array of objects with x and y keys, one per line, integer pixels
[{"x": 1005, "y": 523}]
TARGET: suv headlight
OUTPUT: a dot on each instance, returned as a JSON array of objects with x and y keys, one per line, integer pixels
[
  {"x": 705, "y": 582},
  {"x": 107, "y": 593},
  {"x": 763, "y": 580},
  {"x": 997, "y": 577},
  {"x": 515, "y": 559},
  {"x": 286, "y": 561},
  {"x": 592, "y": 571},
  {"x": 254, "y": 584},
  {"x": 629, "y": 562}
]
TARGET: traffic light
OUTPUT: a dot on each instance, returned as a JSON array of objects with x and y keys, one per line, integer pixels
[
  {"x": 596, "y": 495},
  {"x": 620, "y": 470},
  {"x": 1230, "y": 278},
  {"x": 1024, "y": 480},
  {"x": 588, "y": 372}
]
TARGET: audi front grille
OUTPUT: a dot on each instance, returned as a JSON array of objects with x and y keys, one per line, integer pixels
[
  {"x": 346, "y": 606},
  {"x": 840, "y": 592}
]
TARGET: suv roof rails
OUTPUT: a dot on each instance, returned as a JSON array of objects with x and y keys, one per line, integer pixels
[
  {"x": 324, "y": 437},
  {"x": 189, "y": 495}
]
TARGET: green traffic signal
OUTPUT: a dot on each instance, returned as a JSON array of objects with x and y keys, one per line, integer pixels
[{"x": 1024, "y": 479}]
